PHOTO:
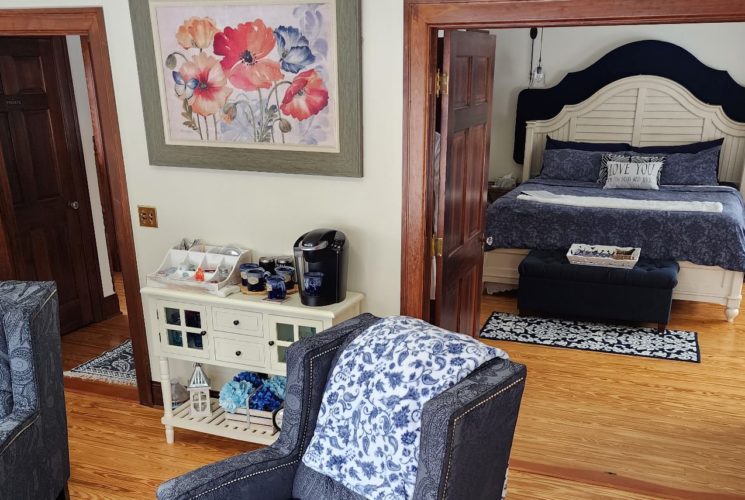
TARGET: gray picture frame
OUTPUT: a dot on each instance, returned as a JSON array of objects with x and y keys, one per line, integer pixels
[{"x": 346, "y": 163}]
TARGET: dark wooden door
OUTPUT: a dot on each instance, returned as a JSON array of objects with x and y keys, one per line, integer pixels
[
  {"x": 49, "y": 209},
  {"x": 465, "y": 127}
]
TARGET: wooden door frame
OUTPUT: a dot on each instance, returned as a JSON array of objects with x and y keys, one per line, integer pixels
[
  {"x": 88, "y": 23},
  {"x": 422, "y": 19}
]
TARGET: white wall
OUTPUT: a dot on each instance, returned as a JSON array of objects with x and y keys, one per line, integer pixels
[
  {"x": 86, "y": 138},
  {"x": 244, "y": 207},
  {"x": 570, "y": 49}
]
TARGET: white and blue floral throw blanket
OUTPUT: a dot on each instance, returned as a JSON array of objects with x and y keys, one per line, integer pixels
[{"x": 368, "y": 428}]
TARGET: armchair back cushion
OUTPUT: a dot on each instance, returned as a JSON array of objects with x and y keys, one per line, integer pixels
[{"x": 369, "y": 424}]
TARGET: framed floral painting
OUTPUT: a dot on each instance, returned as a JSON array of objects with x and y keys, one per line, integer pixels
[{"x": 267, "y": 85}]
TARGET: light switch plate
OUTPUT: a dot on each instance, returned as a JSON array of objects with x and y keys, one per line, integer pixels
[{"x": 148, "y": 216}]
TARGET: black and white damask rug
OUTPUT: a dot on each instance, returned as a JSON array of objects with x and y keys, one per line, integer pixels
[
  {"x": 647, "y": 342},
  {"x": 116, "y": 366}
]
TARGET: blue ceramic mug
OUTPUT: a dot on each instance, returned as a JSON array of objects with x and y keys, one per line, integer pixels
[
  {"x": 276, "y": 287},
  {"x": 287, "y": 273},
  {"x": 312, "y": 282},
  {"x": 255, "y": 280}
]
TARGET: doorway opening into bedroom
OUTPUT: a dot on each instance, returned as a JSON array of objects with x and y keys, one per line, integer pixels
[{"x": 538, "y": 71}]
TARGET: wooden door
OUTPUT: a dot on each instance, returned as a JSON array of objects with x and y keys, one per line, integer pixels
[
  {"x": 465, "y": 127},
  {"x": 46, "y": 196}
]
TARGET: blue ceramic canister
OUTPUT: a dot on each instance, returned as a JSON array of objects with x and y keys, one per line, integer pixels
[{"x": 255, "y": 280}]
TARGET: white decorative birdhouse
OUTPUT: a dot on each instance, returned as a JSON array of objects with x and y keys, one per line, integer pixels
[{"x": 199, "y": 393}]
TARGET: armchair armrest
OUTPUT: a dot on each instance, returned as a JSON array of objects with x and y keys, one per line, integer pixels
[
  {"x": 467, "y": 434},
  {"x": 268, "y": 473}
]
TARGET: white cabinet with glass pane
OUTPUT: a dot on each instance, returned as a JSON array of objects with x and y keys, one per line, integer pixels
[{"x": 241, "y": 332}]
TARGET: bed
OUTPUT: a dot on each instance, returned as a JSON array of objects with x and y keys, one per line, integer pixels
[{"x": 642, "y": 110}]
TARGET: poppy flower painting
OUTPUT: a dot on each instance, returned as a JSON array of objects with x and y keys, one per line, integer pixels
[{"x": 250, "y": 75}]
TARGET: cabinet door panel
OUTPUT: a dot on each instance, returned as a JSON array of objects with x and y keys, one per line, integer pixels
[
  {"x": 182, "y": 329},
  {"x": 282, "y": 332}
]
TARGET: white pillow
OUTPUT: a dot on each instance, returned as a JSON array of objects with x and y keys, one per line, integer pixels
[{"x": 631, "y": 172}]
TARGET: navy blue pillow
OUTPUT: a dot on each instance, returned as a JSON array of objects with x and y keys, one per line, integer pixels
[
  {"x": 692, "y": 169},
  {"x": 606, "y": 147},
  {"x": 695, "y": 147},
  {"x": 572, "y": 165}
]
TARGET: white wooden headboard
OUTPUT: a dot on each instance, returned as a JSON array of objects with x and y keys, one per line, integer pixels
[{"x": 642, "y": 111}]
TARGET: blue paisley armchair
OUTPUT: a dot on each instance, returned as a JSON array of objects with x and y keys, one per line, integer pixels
[
  {"x": 466, "y": 435},
  {"x": 34, "y": 459}
]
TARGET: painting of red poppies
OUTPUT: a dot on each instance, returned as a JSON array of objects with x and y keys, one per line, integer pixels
[{"x": 258, "y": 74}]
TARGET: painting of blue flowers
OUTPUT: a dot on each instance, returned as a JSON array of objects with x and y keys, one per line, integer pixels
[{"x": 256, "y": 74}]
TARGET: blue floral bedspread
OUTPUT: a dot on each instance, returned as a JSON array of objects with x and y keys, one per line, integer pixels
[
  {"x": 710, "y": 239},
  {"x": 369, "y": 424}
]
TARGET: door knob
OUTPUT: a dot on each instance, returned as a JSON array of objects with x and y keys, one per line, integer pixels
[
  {"x": 271, "y": 342},
  {"x": 73, "y": 204},
  {"x": 236, "y": 322},
  {"x": 203, "y": 333},
  {"x": 238, "y": 353}
]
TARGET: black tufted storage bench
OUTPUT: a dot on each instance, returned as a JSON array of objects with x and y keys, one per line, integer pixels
[{"x": 550, "y": 284}]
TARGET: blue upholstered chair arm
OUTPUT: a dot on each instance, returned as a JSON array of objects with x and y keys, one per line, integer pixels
[
  {"x": 34, "y": 458},
  {"x": 268, "y": 473},
  {"x": 467, "y": 434}
]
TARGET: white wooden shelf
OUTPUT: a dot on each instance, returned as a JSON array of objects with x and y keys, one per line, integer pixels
[{"x": 218, "y": 425}]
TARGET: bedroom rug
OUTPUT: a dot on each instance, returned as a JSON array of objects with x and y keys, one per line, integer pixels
[
  {"x": 646, "y": 342},
  {"x": 116, "y": 366}
]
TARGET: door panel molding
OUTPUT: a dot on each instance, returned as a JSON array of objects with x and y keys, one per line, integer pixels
[
  {"x": 89, "y": 22},
  {"x": 422, "y": 19}
]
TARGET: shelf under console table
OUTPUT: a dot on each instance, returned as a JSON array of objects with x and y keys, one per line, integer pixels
[{"x": 241, "y": 332}]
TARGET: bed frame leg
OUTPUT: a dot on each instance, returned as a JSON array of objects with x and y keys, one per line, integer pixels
[{"x": 731, "y": 313}]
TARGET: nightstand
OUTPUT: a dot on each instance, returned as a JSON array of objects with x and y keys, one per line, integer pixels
[{"x": 496, "y": 192}]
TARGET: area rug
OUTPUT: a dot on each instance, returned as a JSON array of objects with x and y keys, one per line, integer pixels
[
  {"x": 646, "y": 342},
  {"x": 116, "y": 366}
]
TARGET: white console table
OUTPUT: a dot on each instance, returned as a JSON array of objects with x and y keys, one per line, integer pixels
[{"x": 242, "y": 332}]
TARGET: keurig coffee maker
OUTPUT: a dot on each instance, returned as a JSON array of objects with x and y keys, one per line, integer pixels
[{"x": 321, "y": 265}]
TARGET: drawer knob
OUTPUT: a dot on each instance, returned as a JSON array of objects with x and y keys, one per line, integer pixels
[
  {"x": 236, "y": 322},
  {"x": 238, "y": 353},
  {"x": 271, "y": 342}
]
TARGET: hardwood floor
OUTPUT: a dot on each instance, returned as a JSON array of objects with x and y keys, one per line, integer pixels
[
  {"x": 591, "y": 425},
  {"x": 632, "y": 425}
]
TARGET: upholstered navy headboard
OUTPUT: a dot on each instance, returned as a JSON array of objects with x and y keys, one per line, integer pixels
[{"x": 647, "y": 57}]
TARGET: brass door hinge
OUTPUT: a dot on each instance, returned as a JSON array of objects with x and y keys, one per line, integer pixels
[
  {"x": 442, "y": 83},
  {"x": 437, "y": 244}
]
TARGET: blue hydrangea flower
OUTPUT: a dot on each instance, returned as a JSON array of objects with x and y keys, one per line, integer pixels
[
  {"x": 294, "y": 50},
  {"x": 264, "y": 400},
  {"x": 233, "y": 395},
  {"x": 255, "y": 379},
  {"x": 278, "y": 385}
]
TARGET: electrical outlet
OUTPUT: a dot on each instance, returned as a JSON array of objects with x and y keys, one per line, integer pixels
[{"x": 148, "y": 216}]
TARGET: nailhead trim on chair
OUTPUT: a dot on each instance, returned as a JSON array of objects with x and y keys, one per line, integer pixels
[
  {"x": 459, "y": 417},
  {"x": 305, "y": 431}
]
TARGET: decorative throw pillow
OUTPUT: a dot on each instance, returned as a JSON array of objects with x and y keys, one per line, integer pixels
[
  {"x": 368, "y": 429},
  {"x": 692, "y": 169},
  {"x": 631, "y": 172},
  {"x": 571, "y": 164}
]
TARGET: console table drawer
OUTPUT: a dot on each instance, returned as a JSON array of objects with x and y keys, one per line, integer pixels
[
  {"x": 236, "y": 321},
  {"x": 240, "y": 351}
]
